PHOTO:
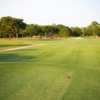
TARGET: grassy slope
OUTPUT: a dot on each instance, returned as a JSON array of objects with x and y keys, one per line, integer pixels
[{"x": 41, "y": 73}]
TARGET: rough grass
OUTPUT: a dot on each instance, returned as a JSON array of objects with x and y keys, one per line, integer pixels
[{"x": 65, "y": 69}]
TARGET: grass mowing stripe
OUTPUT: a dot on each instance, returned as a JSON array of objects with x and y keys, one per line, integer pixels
[{"x": 61, "y": 83}]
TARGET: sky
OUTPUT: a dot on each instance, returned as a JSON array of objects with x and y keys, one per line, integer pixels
[{"x": 46, "y": 12}]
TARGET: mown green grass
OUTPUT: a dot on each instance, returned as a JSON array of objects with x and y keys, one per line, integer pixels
[{"x": 66, "y": 69}]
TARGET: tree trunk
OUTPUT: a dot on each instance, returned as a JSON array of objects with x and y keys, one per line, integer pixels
[
  {"x": 51, "y": 35},
  {"x": 45, "y": 34},
  {"x": 10, "y": 37},
  {"x": 16, "y": 35}
]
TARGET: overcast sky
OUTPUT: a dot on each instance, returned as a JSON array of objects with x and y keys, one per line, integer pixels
[{"x": 44, "y": 12}]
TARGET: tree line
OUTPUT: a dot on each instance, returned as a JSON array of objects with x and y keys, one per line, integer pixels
[{"x": 15, "y": 27}]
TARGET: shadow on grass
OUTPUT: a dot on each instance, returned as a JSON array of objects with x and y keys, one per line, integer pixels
[
  {"x": 13, "y": 45},
  {"x": 10, "y": 57}
]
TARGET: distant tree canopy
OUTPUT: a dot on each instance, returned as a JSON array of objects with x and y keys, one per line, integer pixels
[
  {"x": 64, "y": 31},
  {"x": 32, "y": 30},
  {"x": 76, "y": 31},
  {"x": 15, "y": 27}
]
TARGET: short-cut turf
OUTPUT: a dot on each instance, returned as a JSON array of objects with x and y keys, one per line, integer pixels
[{"x": 66, "y": 69}]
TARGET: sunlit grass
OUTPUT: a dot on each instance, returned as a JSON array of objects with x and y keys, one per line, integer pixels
[{"x": 67, "y": 69}]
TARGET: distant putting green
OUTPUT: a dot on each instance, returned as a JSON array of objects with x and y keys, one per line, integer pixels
[{"x": 61, "y": 69}]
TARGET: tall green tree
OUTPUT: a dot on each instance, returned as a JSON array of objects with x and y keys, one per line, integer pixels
[
  {"x": 18, "y": 26},
  {"x": 29, "y": 30},
  {"x": 45, "y": 30},
  {"x": 50, "y": 30},
  {"x": 95, "y": 27},
  {"x": 11, "y": 27},
  {"x": 64, "y": 31},
  {"x": 6, "y": 24},
  {"x": 76, "y": 31},
  {"x": 88, "y": 31},
  {"x": 33, "y": 30}
]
